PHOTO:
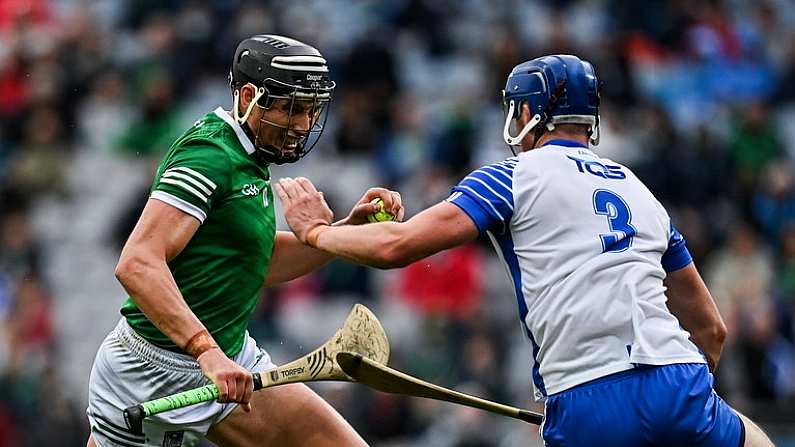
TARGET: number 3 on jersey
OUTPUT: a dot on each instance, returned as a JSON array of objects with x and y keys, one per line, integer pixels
[{"x": 610, "y": 204}]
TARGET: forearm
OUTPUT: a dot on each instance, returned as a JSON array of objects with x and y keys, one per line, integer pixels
[
  {"x": 292, "y": 259},
  {"x": 706, "y": 332},
  {"x": 365, "y": 245},
  {"x": 382, "y": 245},
  {"x": 151, "y": 286},
  {"x": 692, "y": 304},
  {"x": 710, "y": 341},
  {"x": 397, "y": 244}
]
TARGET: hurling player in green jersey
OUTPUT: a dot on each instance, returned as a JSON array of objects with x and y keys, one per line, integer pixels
[{"x": 205, "y": 245}]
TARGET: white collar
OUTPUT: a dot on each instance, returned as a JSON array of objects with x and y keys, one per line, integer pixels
[{"x": 241, "y": 134}]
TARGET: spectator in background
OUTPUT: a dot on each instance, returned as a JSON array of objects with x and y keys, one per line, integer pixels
[
  {"x": 453, "y": 148},
  {"x": 31, "y": 337},
  {"x": 785, "y": 283},
  {"x": 403, "y": 150},
  {"x": 785, "y": 92},
  {"x": 774, "y": 201},
  {"x": 13, "y": 90},
  {"x": 38, "y": 169},
  {"x": 754, "y": 144},
  {"x": 159, "y": 123},
  {"x": 105, "y": 113},
  {"x": 370, "y": 84},
  {"x": 448, "y": 284},
  {"x": 12, "y": 12},
  {"x": 19, "y": 255},
  {"x": 767, "y": 356},
  {"x": 740, "y": 276}
]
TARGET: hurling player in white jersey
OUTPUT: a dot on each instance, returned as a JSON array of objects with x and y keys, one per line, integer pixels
[{"x": 624, "y": 334}]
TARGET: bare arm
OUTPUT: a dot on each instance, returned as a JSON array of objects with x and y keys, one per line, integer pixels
[
  {"x": 161, "y": 234},
  {"x": 292, "y": 258},
  {"x": 393, "y": 244},
  {"x": 690, "y": 301}
]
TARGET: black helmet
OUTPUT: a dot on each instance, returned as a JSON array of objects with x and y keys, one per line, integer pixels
[{"x": 281, "y": 68}]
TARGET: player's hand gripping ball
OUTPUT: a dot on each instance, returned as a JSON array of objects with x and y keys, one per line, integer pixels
[{"x": 380, "y": 215}]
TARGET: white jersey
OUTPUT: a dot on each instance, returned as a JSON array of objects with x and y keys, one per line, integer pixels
[{"x": 587, "y": 246}]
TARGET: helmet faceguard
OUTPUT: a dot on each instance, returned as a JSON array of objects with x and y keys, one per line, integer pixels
[
  {"x": 559, "y": 89},
  {"x": 289, "y": 74}
]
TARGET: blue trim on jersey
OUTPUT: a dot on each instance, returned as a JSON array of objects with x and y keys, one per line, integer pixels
[
  {"x": 509, "y": 255},
  {"x": 677, "y": 256},
  {"x": 486, "y": 195},
  {"x": 473, "y": 209},
  {"x": 567, "y": 143},
  {"x": 537, "y": 379}
]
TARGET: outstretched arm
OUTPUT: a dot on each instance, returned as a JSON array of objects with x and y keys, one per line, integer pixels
[
  {"x": 393, "y": 244},
  {"x": 690, "y": 301},
  {"x": 385, "y": 244},
  {"x": 292, "y": 258}
]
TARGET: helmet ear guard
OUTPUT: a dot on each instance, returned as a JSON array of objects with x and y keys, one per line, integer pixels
[
  {"x": 259, "y": 92},
  {"x": 517, "y": 140}
]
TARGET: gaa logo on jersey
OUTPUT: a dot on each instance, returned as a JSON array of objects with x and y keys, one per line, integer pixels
[{"x": 250, "y": 189}]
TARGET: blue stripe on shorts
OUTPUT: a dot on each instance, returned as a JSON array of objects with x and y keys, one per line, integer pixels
[{"x": 671, "y": 405}]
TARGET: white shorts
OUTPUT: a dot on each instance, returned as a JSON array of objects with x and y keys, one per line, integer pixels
[{"x": 129, "y": 370}]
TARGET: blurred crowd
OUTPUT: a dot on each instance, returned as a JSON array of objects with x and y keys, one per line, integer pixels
[{"x": 698, "y": 98}]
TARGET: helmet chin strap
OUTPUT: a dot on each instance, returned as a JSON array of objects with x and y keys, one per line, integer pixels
[{"x": 506, "y": 133}]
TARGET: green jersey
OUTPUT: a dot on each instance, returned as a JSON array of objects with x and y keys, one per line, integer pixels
[{"x": 209, "y": 173}]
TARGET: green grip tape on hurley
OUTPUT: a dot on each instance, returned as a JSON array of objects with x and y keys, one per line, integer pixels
[
  {"x": 134, "y": 416},
  {"x": 179, "y": 400}
]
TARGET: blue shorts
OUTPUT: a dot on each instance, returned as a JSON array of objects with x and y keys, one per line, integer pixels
[{"x": 671, "y": 405}]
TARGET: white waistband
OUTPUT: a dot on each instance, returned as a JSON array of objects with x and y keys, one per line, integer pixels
[{"x": 154, "y": 354}]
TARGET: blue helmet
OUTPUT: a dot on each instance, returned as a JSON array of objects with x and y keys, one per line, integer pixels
[{"x": 559, "y": 89}]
